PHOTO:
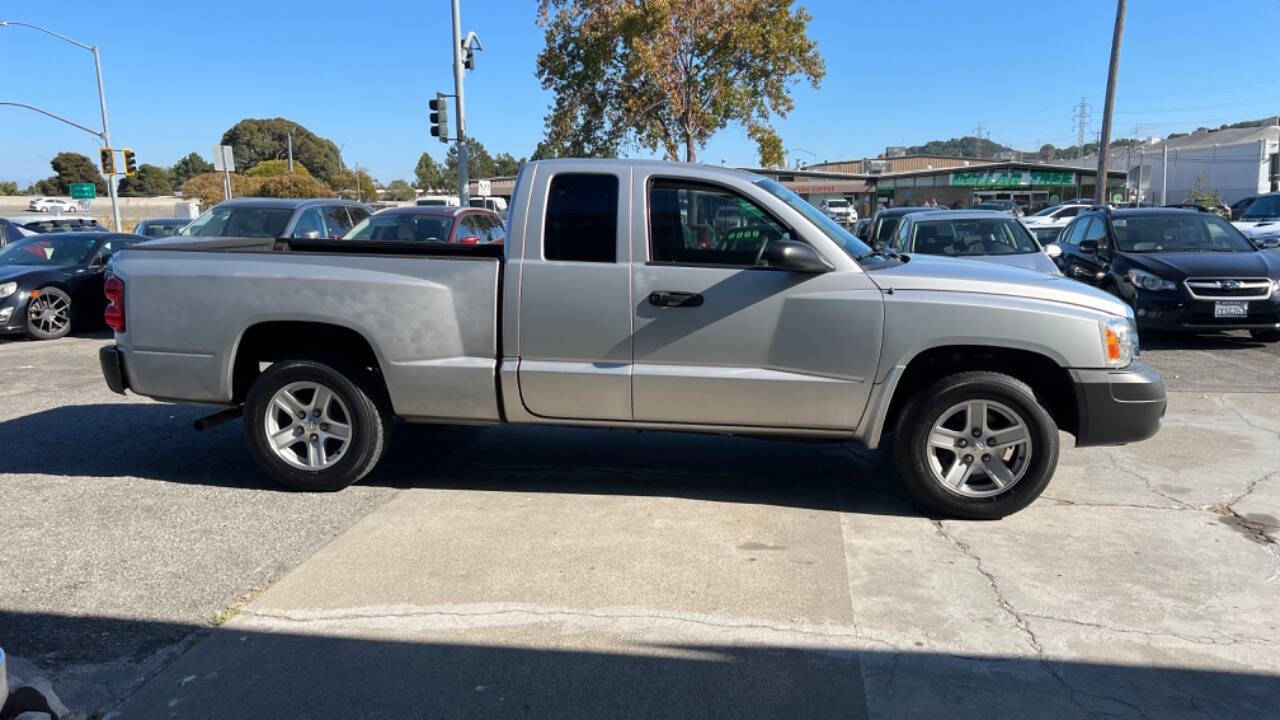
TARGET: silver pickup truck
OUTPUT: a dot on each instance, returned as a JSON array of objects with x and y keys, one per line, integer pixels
[{"x": 637, "y": 294}]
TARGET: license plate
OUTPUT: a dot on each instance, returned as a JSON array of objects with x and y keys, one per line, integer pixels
[{"x": 1231, "y": 309}]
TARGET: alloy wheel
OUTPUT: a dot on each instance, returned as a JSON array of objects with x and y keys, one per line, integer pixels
[
  {"x": 978, "y": 448},
  {"x": 307, "y": 425}
]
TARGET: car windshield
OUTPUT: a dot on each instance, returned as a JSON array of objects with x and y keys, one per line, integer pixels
[
  {"x": 402, "y": 227},
  {"x": 1046, "y": 235},
  {"x": 837, "y": 203},
  {"x": 249, "y": 222},
  {"x": 1047, "y": 211},
  {"x": 165, "y": 228},
  {"x": 1265, "y": 207},
  {"x": 49, "y": 250},
  {"x": 980, "y": 236},
  {"x": 1201, "y": 232},
  {"x": 62, "y": 225},
  {"x": 852, "y": 246}
]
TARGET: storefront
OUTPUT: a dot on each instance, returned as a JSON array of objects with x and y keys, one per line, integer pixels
[{"x": 1031, "y": 186}]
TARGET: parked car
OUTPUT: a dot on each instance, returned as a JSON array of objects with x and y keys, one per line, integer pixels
[
  {"x": 427, "y": 224},
  {"x": 839, "y": 209},
  {"x": 1239, "y": 207},
  {"x": 885, "y": 223},
  {"x": 52, "y": 204},
  {"x": 1006, "y": 206},
  {"x": 429, "y": 200},
  {"x": 12, "y": 232},
  {"x": 48, "y": 282},
  {"x": 44, "y": 224},
  {"x": 313, "y": 218},
  {"x": 1261, "y": 221},
  {"x": 979, "y": 234},
  {"x": 160, "y": 227},
  {"x": 604, "y": 308},
  {"x": 1055, "y": 215},
  {"x": 489, "y": 202},
  {"x": 1218, "y": 209},
  {"x": 1177, "y": 269}
]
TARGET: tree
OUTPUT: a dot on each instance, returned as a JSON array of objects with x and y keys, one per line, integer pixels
[
  {"x": 400, "y": 190},
  {"x": 271, "y": 168},
  {"x": 479, "y": 163},
  {"x": 8, "y": 188},
  {"x": 1202, "y": 196},
  {"x": 428, "y": 174},
  {"x": 292, "y": 186},
  {"x": 1047, "y": 152},
  {"x": 255, "y": 140},
  {"x": 355, "y": 184},
  {"x": 207, "y": 188},
  {"x": 506, "y": 164},
  {"x": 667, "y": 75},
  {"x": 187, "y": 168},
  {"x": 151, "y": 180},
  {"x": 73, "y": 167}
]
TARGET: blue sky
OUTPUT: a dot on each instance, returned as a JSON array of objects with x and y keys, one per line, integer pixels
[{"x": 179, "y": 74}]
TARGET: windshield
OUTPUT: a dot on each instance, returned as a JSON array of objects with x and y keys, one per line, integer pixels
[
  {"x": 971, "y": 237},
  {"x": 162, "y": 228},
  {"x": 852, "y": 246},
  {"x": 402, "y": 227},
  {"x": 249, "y": 222},
  {"x": 1267, "y": 206},
  {"x": 1047, "y": 211},
  {"x": 837, "y": 203},
  {"x": 49, "y": 250},
  {"x": 1201, "y": 232},
  {"x": 1046, "y": 235}
]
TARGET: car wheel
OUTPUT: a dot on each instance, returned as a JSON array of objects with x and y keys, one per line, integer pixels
[
  {"x": 48, "y": 314},
  {"x": 1265, "y": 335},
  {"x": 313, "y": 425},
  {"x": 976, "y": 445}
]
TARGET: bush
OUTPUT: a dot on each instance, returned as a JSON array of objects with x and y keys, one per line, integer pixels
[
  {"x": 292, "y": 186},
  {"x": 207, "y": 188},
  {"x": 272, "y": 168}
]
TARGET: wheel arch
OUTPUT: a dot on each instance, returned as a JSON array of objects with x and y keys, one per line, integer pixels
[{"x": 273, "y": 340}]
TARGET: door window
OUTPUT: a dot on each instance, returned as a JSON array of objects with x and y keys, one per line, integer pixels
[
  {"x": 337, "y": 220},
  {"x": 582, "y": 218},
  {"x": 497, "y": 231},
  {"x": 1075, "y": 233},
  {"x": 470, "y": 225},
  {"x": 358, "y": 215},
  {"x": 309, "y": 224},
  {"x": 1097, "y": 231},
  {"x": 707, "y": 225},
  {"x": 1069, "y": 212}
]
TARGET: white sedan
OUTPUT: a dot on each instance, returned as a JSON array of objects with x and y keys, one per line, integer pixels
[{"x": 50, "y": 204}]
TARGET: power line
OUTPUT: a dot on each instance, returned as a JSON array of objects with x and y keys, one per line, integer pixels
[{"x": 1081, "y": 125}]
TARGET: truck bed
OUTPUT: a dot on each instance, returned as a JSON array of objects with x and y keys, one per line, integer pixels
[{"x": 428, "y": 312}]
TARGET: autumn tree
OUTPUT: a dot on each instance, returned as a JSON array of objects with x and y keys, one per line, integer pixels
[
  {"x": 290, "y": 186},
  {"x": 668, "y": 74},
  {"x": 207, "y": 188},
  {"x": 355, "y": 184},
  {"x": 271, "y": 168}
]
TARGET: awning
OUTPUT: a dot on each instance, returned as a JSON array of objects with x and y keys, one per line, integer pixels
[{"x": 812, "y": 187}]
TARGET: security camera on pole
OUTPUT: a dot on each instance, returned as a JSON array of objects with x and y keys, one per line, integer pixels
[{"x": 463, "y": 58}]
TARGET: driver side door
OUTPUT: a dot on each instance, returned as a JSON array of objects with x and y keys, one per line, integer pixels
[{"x": 720, "y": 339}]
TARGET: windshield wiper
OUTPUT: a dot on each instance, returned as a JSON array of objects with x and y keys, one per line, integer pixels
[{"x": 884, "y": 253}]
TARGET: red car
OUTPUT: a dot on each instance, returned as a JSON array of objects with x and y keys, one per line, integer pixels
[{"x": 432, "y": 224}]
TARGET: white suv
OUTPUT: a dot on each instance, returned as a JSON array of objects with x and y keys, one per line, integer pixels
[{"x": 840, "y": 210}]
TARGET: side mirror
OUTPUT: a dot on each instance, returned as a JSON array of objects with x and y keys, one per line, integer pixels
[
  {"x": 795, "y": 256},
  {"x": 1053, "y": 250},
  {"x": 1089, "y": 247},
  {"x": 308, "y": 235},
  {"x": 469, "y": 240}
]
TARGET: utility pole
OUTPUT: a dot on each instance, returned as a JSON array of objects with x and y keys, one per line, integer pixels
[
  {"x": 290, "y": 138},
  {"x": 461, "y": 137},
  {"x": 1100, "y": 184}
]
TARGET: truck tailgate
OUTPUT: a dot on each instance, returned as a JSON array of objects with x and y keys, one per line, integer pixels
[{"x": 431, "y": 321}]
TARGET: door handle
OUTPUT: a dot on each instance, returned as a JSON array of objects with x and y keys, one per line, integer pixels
[{"x": 672, "y": 298}]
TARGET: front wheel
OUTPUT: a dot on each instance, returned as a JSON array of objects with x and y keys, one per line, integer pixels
[
  {"x": 314, "y": 426},
  {"x": 976, "y": 445},
  {"x": 49, "y": 314}
]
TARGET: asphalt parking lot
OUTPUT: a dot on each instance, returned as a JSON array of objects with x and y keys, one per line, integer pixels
[{"x": 151, "y": 571}]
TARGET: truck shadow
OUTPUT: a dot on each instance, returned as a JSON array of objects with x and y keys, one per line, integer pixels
[{"x": 156, "y": 442}]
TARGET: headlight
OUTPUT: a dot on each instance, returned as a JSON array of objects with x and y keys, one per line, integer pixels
[
  {"x": 1147, "y": 281},
  {"x": 7, "y": 289},
  {"x": 1119, "y": 341}
]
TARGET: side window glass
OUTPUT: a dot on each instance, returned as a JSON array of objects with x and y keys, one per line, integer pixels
[
  {"x": 470, "y": 226},
  {"x": 309, "y": 224},
  {"x": 1069, "y": 212},
  {"x": 706, "y": 225},
  {"x": 358, "y": 215},
  {"x": 900, "y": 239},
  {"x": 1097, "y": 231},
  {"x": 1074, "y": 234},
  {"x": 337, "y": 221},
  {"x": 582, "y": 218},
  {"x": 497, "y": 231}
]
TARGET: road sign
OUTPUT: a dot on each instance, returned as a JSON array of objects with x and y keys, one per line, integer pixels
[
  {"x": 483, "y": 187},
  {"x": 223, "y": 160},
  {"x": 83, "y": 191}
]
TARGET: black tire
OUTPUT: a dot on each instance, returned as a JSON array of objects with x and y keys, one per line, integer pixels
[
  {"x": 36, "y": 319},
  {"x": 1268, "y": 336},
  {"x": 915, "y": 424},
  {"x": 369, "y": 420}
]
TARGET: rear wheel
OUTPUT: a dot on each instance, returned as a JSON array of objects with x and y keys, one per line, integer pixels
[
  {"x": 315, "y": 426},
  {"x": 49, "y": 314},
  {"x": 976, "y": 445}
]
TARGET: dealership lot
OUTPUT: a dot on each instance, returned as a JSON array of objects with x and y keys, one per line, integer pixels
[{"x": 152, "y": 571}]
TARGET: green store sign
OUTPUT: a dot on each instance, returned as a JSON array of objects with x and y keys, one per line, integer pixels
[{"x": 1011, "y": 178}]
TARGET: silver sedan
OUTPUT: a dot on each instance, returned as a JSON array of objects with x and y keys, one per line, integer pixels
[{"x": 979, "y": 234}]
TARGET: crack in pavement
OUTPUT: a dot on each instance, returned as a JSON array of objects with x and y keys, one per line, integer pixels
[
  {"x": 1118, "y": 464},
  {"x": 1220, "y": 399},
  {"x": 1195, "y": 639}
]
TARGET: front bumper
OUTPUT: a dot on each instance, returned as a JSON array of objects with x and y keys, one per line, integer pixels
[
  {"x": 13, "y": 313},
  {"x": 1115, "y": 407},
  {"x": 112, "y": 362},
  {"x": 1160, "y": 311}
]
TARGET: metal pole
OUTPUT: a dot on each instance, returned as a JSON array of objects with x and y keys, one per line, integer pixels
[
  {"x": 461, "y": 135},
  {"x": 106, "y": 138},
  {"x": 1164, "y": 174},
  {"x": 1104, "y": 142},
  {"x": 290, "y": 137}
]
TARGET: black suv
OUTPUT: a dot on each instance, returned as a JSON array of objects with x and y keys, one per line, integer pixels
[{"x": 1178, "y": 269}]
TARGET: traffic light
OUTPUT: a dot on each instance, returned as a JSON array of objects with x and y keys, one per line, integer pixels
[
  {"x": 440, "y": 117},
  {"x": 130, "y": 162},
  {"x": 108, "y": 157}
]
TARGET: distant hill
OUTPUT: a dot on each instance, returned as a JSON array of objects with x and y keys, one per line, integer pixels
[{"x": 967, "y": 146}]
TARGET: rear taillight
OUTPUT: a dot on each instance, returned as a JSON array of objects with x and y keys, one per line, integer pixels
[{"x": 114, "y": 314}]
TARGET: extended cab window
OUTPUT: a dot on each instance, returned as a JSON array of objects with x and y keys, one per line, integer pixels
[
  {"x": 582, "y": 218},
  {"x": 706, "y": 225}
]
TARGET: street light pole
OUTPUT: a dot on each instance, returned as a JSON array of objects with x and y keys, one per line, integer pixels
[
  {"x": 102, "y": 101},
  {"x": 461, "y": 134}
]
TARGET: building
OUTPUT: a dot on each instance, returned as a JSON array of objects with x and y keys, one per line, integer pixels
[
  {"x": 894, "y": 161},
  {"x": 1028, "y": 184}
]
